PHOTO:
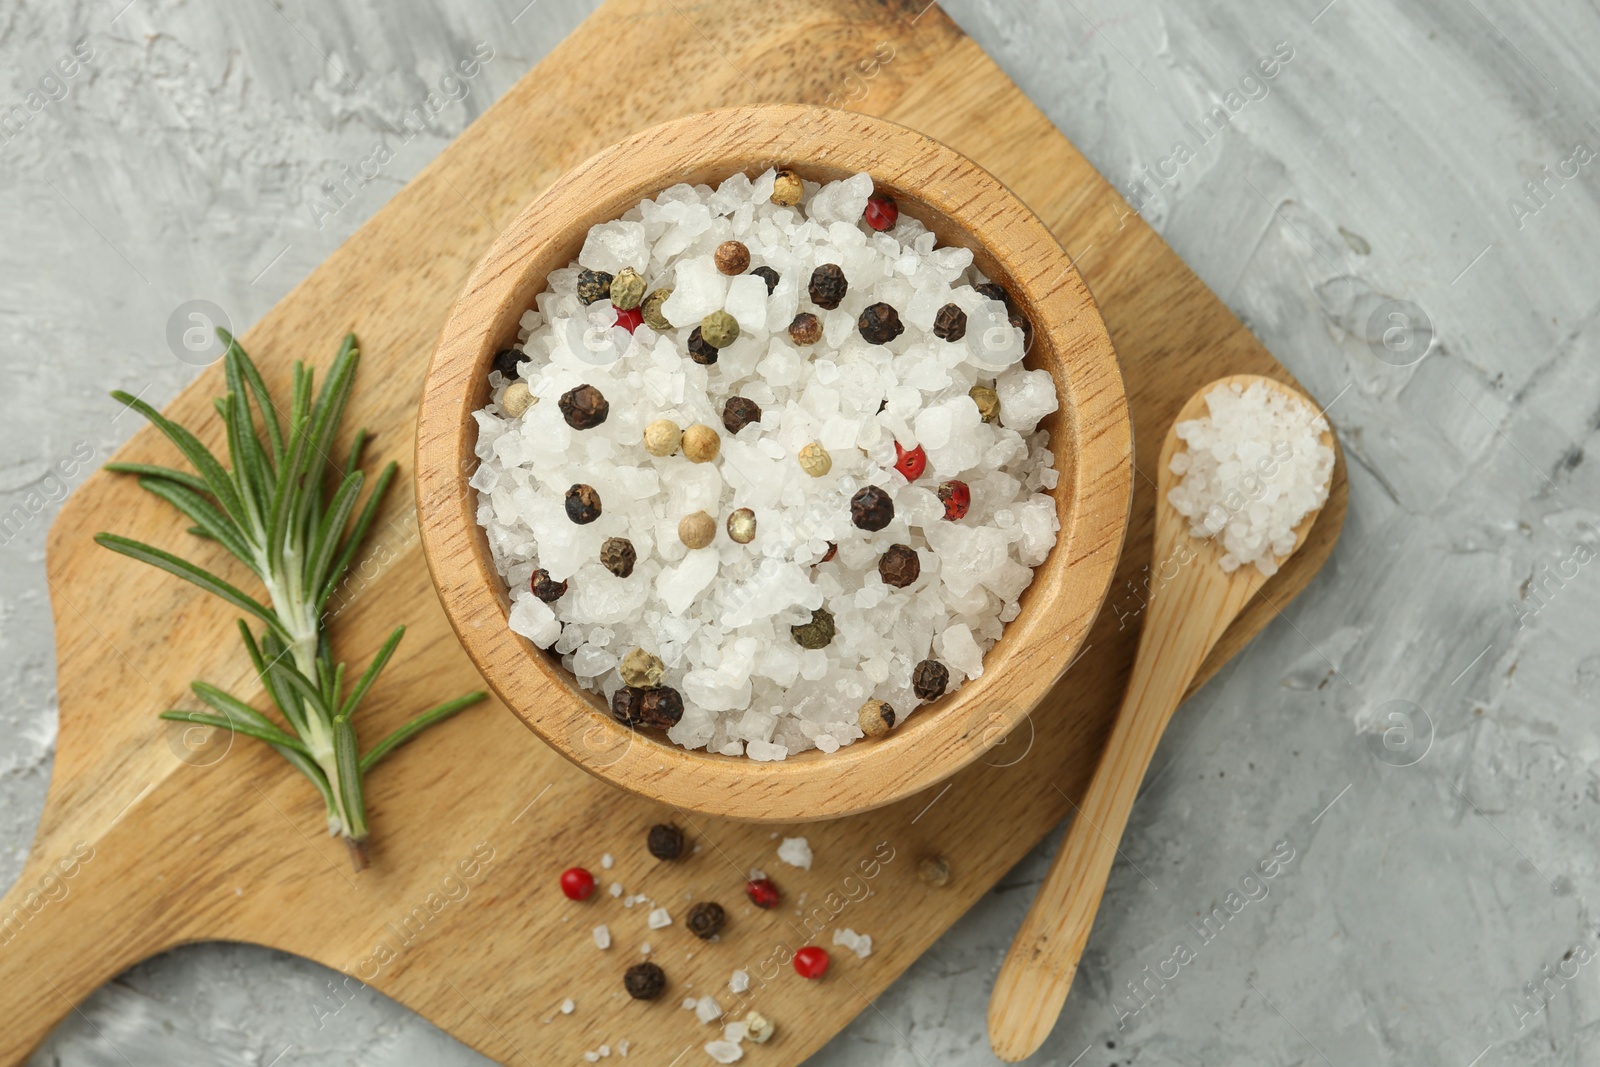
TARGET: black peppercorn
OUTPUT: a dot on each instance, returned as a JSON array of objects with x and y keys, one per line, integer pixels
[
  {"x": 900, "y": 566},
  {"x": 930, "y": 679},
  {"x": 545, "y": 589},
  {"x": 879, "y": 324},
  {"x": 507, "y": 360},
  {"x": 618, "y": 556},
  {"x": 828, "y": 286},
  {"x": 594, "y": 285},
  {"x": 664, "y": 841},
  {"x": 661, "y": 707},
  {"x": 583, "y": 504},
  {"x": 706, "y": 920},
  {"x": 584, "y": 407},
  {"x": 818, "y": 633},
  {"x": 701, "y": 351},
  {"x": 740, "y": 412},
  {"x": 806, "y": 329},
  {"x": 1023, "y": 323},
  {"x": 625, "y": 705},
  {"x": 871, "y": 509},
  {"x": 768, "y": 275},
  {"x": 995, "y": 292},
  {"x": 644, "y": 981},
  {"x": 950, "y": 324}
]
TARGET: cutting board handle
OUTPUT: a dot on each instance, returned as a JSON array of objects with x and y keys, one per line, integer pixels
[{"x": 79, "y": 914}]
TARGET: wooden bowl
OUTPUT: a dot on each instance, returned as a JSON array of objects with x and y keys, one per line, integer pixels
[{"x": 1090, "y": 436}]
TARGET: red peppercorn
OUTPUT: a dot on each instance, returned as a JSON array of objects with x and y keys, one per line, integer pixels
[
  {"x": 762, "y": 893},
  {"x": 630, "y": 319},
  {"x": 577, "y": 883},
  {"x": 957, "y": 498},
  {"x": 882, "y": 212},
  {"x": 811, "y": 962},
  {"x": 912, "y": 463}
]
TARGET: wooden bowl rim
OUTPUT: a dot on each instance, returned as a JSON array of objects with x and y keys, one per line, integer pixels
[{"x": 1093, "y": 499}]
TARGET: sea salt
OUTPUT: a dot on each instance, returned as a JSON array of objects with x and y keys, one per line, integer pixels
[
  {"x": 860, "y": 944},
  {"x": 725, "y": 1051},
  {"x": 796, "y": 852},
  {"x": 739, "y": 982},
  {"x": 567, "y": 1006},
  {"x": 1253, "y": 467},
  {"x": 659, "y": 918},
  {"x": 602, "y": 936},
  {"x": 706, "y": 1009},
  {"x": 719, "y": 617}
]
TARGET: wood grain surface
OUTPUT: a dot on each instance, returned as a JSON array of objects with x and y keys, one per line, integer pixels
[
  {"x": 139, "y": 850},
  {"x": 1090, "y": 438}
]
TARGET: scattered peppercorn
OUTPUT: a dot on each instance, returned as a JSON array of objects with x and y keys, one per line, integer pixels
[
  {"x": 661, "y": 707},
  {"x": 517, "y": 399},
  {"x": 545, "y": 589},
  {"x": 871, "y": 509},
  {"x": 879, "y": 324},
  {"x": 627, "y": 289},
  {"x": 806, "y": 329},
  {"x": 742, "y": 526},
  {"x": 732, "y": 257},
  {"x": 818, "y": 633},
  {"x": 833, "y": 550},
  {"x": 988, "y": 402},
  {"x": 507, "y": 360},
  {"x": 828, "y": 286},
  {"x": 881, "y": 212},
  {"x": 701, "y": 443},
  {"x": 644, "y": 981},
  {"x": 706, "y": 920},
  {"x": 900, "y": 566},
  {"x": 995, "y": 292},
  {"x": 625, "y": 703},
  {"x": 662, "y": 437},
  {"x": 617, "y": 555},
  {"x": 700, "y": 350},
  {"x": 577, "y": 883},
  {"x": 757, "y": 1027},
  {"x": 768, "y": 275},
  {"x": 950, "y": 324},
  {"x": 787, "y": 189},
  {"x": 957, "y": 498},
  {"x": 629, "y": 319},
  {"x": 875, "y": 718},
  {"x": 651, "y": 309},
  {"x": 934, "y": 871},
  {"x": 740, "y": 412},
  {"x": 814, "y": 460},
  {"x": 1023, "y": 323},
  {"x": 593, "y": 285},
  {"x": 811, "y": 962},
  {"x": 762, "y": 893},
  {"x": 930, "y": 679},
  {"x": 665, "y": 841},
  {"x": 583, "y": 504},
  {"x": 719, "y": 329},
  {"x": 697, "y": 529},
  {"x": 910, "y": 463},
  {"x": 584, "y": 407},
  {"x": 641, "y": 669}
]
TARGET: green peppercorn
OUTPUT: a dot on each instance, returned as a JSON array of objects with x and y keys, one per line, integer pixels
[
  {"x": 818, "y": 633},
  {"x": 627, "y": 289},
  {"x": 618, "y": 556},
  {"x": 719, "y": 329},
  {"x": 651, "y": 309}
]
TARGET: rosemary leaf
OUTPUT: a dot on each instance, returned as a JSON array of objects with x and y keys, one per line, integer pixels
[
  {"x": 189, "y": 572},
  {"x": 416, "y": 726},
  {"x": 151, "y": 471},
  {"x": 223, "y": 722}
]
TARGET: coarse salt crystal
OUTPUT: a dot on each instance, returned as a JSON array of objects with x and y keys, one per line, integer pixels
[
  {"x": 724, "y": 1051},
  {"x": 860, "y": 944},
  {"x": 796, "y": 852},
  {"x": 739, "y": 982},
  {"x": 602, "y": 936},
  {"x": 706, "y": 1009},
  {"x": 567, "y": 1006},
  {"x": 659, "y": 918}
]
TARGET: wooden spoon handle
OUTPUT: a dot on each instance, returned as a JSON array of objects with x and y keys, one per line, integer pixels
[{"x": 1038, "y": 971}]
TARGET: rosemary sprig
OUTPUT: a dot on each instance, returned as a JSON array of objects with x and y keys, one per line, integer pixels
[{"x": 273, "y": 511}]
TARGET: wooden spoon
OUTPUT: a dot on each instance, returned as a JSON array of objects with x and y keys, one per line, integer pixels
[{"x": 1191, "y": 602}]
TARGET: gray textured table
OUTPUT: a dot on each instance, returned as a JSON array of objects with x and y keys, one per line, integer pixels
[{"x": 1406, "y": 215}]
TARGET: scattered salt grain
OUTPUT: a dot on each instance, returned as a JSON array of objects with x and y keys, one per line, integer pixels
[
  {"x": 739, "y": 982},
  {"x": 724, "y": 1051},
  {"x": 616, "y": 889},
  {"x": 860, "y": 944},
  {"x": 602, "y": 936},
  {"x": 796, "y": 852},
  {"x": 623, "y": 1046},
  {"x": 1254, "y": 466},
  {"x": 567, "y": 1006},
  {"x": 706, "y": 1009},
  {"x": 689, "y": 1003},
  {"x": 659, "y": 918},
  {"x": 591, "y": 1057},
  {"x": 606, "y": 862}
]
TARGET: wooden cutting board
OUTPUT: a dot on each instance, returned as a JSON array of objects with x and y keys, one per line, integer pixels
[{"x": 145, "y": 844}]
